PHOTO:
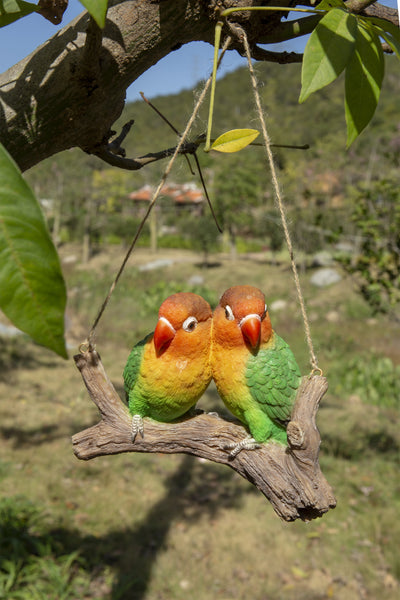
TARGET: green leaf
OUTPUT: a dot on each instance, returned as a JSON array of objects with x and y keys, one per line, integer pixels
[
  {"x": 234, "y": 140},
  {"x": 328, "y": 51},
  {"x": 329, "y": 4},
  {"x": 97, "y": 9},
  {"x": 32, "y": 289},
  {"x": 389, "y": 32},
  {"x": 364, "y": 75},
  {"x": 12, "y": 10}
]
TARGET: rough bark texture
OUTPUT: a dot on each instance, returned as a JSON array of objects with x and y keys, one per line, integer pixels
[
  {"x": 70, "y": 91},
  {"x": 290, "y": 477}
]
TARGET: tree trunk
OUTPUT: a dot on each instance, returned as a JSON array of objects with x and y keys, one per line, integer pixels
[{"x": 71, "y": 89}]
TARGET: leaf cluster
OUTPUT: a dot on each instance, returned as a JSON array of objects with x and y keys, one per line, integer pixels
[
  {"x": 341, "y": 41},
  {"x": 347, "y": 42}
]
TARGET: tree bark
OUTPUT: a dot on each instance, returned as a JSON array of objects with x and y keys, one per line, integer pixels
[
  {"x": 290, "y": 477},
  {"x": 70, "y": 90}
]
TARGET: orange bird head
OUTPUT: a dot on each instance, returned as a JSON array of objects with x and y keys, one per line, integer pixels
[
  {"x": 183, "y": 321},
  {"x": 242, "y": 316}
]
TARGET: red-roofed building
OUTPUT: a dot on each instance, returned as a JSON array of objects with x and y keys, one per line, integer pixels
[{"x": 185, "y": 195}]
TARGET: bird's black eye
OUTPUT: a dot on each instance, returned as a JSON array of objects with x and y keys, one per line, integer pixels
[
  {"x": 229, "y": 313},
  {"x": 190, "y": 324},
  {"x": 265, "y": 312}
]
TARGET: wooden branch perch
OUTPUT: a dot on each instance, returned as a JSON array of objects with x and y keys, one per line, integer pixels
[{"x": 290, "y": 477}]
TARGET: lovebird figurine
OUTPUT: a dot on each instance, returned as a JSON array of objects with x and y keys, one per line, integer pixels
[
  {"x": 254, "y": 370},
  {"x": 168, "y": 371}
]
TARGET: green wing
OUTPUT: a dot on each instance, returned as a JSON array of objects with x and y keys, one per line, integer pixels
[
  {"x": 273, "y": 377},
  {"x": 133, "y": 364}
]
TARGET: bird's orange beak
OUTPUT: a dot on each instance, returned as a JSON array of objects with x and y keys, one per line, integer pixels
[
  {"x": 251, "y": 329},
  {"x": 164, "y": 333}
]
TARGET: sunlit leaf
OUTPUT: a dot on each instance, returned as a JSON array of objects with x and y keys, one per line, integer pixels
[
  {"x": 97, "y": 9},
  {"x": 330, "y": 4},
  {"x": 12, "y": 10},
  {"x": 328, "y": 51},
  {"x": 364, "y": 75},
  {"x": 234, "y": 140},
  {"x": 32, "y": 289},
  {"x": 389, "y": 32}
]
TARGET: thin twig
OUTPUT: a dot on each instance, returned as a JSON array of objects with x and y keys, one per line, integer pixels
[
  {"x": 115, "y": 145},
  {"x": 281, "y": 58},
  {"x": 203, "y": 183},
  {"x": 174, "y": 129},
  {"x": 164, "y": 118},
  {"x": 206, "y": 193}
]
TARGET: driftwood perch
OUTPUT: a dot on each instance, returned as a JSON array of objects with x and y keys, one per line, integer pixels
[{"x": 290, "y": 477}]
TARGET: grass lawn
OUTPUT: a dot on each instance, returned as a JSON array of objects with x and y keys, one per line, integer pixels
[{"x": 156, "y": 527}]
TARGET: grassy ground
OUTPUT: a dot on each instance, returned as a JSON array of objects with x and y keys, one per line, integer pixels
[{"x": 154, "y": 527}]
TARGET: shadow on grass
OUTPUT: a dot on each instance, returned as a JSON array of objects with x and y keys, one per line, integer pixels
[
  {"x": 32, "y": 437},
  {"x": 207, "y": 265},
  {"x": 195, "y": 489}
]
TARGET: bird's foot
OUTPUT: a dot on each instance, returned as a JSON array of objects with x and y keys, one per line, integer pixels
[
  {"x": 137, "y": 427},
  {"x": 213, "y": 414},
  {"x": 248, "y": 443}
]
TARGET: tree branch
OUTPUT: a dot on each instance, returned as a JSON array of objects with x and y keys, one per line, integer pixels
[
  {"x": 290, "y": 477},
  {"x": 282, "y": 58},
  {"x": 70, "y": 91},
  {"x": 113, "y": 154}
]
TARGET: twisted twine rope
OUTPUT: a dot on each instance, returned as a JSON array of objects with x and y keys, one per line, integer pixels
[
  {"x": 89, "y": 343},
  {"x": 279, "y": 200}
]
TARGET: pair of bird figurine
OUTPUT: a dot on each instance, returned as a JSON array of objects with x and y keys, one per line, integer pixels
[{"x": 254, "y": 370}]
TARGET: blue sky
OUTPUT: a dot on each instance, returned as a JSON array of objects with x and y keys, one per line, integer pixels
[{"x": 182, "y": 69}]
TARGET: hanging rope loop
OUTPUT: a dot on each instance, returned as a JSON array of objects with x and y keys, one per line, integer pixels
[{"x": 85, "y": 347}]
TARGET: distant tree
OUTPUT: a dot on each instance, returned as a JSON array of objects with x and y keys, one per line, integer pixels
[
  {"x": 237, "y": 190},
  {"x": 376, "y": 264},
  {"x": 203, "y": 234}
]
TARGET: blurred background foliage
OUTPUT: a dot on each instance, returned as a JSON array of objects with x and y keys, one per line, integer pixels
[{"x": 332, "y": 196}]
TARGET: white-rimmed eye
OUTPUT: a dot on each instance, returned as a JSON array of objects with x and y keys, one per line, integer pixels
[
  {"x": 265, "y": 312},
  {"x": 229, "y": 313},
  {"x": 190, "y": 324}
]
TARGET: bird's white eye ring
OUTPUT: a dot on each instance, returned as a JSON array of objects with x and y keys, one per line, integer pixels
[
  {"x": 265, "y": 312},
  {"x": 190, "y": 324},
  {"x": 229, "y": 313}
]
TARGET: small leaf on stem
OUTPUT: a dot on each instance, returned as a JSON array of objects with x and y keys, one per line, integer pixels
[{"x": 234, "y": 140}]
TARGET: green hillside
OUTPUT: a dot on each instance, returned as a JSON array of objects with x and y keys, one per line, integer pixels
[
  {"x": 318, "y": 122},
  {"x": 319, "y": 183}
]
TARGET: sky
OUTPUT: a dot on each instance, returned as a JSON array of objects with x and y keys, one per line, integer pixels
[{"x": 179, "y": 70}]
